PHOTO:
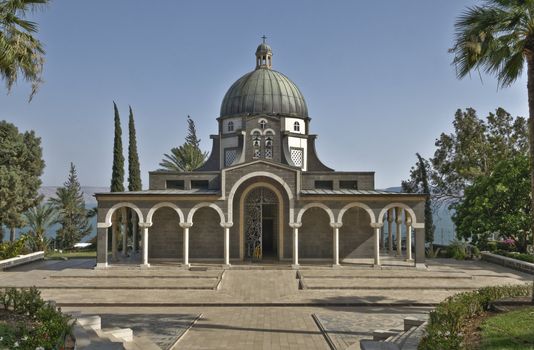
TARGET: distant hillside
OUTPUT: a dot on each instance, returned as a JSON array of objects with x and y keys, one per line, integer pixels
[{"x": 88, "y": 192}]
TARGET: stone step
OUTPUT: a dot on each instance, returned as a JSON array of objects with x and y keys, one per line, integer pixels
[{"x": 141, "y": 343}]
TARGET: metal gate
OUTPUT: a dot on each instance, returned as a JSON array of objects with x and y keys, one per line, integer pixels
[{"x": 254, "y": 220}]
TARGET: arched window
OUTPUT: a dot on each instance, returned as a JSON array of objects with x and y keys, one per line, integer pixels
[
  {"x": 256, "y": 144},
  {"x": 263, "y": 124},
  {"x": 296, "y": 126},
  {"x": 269, "y": 147},
  {"x": 230, "y": 126}
]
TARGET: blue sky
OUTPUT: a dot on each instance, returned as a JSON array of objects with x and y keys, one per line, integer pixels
[{"x": 376, "y": 76}]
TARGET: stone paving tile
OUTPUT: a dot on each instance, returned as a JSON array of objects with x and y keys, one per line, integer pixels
[{"x": 161, "y": 329}]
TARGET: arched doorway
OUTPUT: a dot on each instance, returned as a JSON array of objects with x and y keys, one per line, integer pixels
[{"x": 261, "y": 224}]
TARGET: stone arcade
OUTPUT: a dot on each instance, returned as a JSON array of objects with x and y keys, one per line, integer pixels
[{"x": 263, "y": 195}]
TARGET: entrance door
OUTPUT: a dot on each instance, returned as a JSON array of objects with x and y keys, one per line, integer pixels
[{"x": 261, "y": 208}]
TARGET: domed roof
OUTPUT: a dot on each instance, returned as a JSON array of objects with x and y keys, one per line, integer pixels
[{"x": 264, "y": 91}]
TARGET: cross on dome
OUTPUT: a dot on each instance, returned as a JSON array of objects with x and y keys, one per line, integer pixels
[{"x": 264, "y": 55}]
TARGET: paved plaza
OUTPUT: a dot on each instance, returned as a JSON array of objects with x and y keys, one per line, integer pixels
[{"x": 254, "y": 307}]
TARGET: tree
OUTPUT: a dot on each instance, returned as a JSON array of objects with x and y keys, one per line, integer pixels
[
  {"x": 187, "y": 157},
  {"x": 39, "y": 219},
  {"x": 498, "y": 38},
  {"x": 117, "y": 173},
  {"x": 72, "y": 214},
  {"x": 134, "y": 172},
  {"x": 21, "y": 166},
  {"x": 20, "y": 51},
  {"x": 419, "y": 183},
  {"x": 499, "y": 203},
  {"x": 473, "y": 149}
]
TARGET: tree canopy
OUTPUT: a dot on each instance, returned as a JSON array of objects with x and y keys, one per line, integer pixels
[
  {"x": 117, "y": 171},
  {"x": 20, "y": 51},
  {"x": 21, "y": 167},
  {"x": 188, "y": 156},
  {"x": 134, "y": 171},
  {"x": 72, "y": 214},
  {"x": 497, "y": 204}
]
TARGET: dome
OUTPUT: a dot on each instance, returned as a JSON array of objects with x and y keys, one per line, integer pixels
[{"x": 264, "y": 91}]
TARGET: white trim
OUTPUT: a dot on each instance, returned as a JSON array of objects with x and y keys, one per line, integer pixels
[
  {"x": 254, "y": 130},
  {"x": 359, "y": 205},
  {"x": 256, "y": 174},
  {"x": 269, "y": 130},
  {"x": 161, "y": 205},
  {"x": 111, "y": 210},
  {"x": 398, "y": 205},
  {"x": 318, "y": 205},
  {"x": 202, "y": 205}
]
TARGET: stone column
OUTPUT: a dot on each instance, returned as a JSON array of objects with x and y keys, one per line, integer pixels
[
  {"x": 144, "y": 228},
  {"x": 420, "y": 245},
  {"x": 124, "y": 226},
  {"x": 376, "y": 243},
  {"x": 226, "y": 227},
  {"x": 295, "y": 228},
  {"x": 390, "y": 231},
  {"x": 335, "y": 254},
  {"x": 186, "y": 226},
  {"x": 102, "y": 246},
  {"x": 408, "y": 237},
  {"x": 114, "y": 236},
  {"x": 135, "y": 245},
  {"x": 398, "y": 221}
]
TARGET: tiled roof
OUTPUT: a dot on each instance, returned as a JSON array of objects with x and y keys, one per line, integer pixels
[{"x": 352, "y": 192}]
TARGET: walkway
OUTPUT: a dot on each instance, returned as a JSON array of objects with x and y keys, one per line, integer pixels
[{"x": 244, "y": 308}]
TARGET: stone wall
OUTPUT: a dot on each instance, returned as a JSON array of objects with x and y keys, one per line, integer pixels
[
  {"x": 315, "y": 235},
  {"x": 206, "y": 236},
  {"x": 165, "y": 237},
  {"x": 356, "y": 235},
  {"x": 508, "y": 262}
]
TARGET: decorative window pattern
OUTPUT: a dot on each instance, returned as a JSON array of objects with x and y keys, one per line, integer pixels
[
  {"x": 297, "y": 156},
  {"x": 230, "y": 156},
  {"x": 257, "y": 153},
  {"x": 230, "y": 126},
  {"x": 263, "y": 124},
  {"x": 296, "y": 127},
  {"x": 269, "y": 153}
]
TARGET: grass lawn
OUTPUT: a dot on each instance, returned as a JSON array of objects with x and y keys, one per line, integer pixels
[
  {"x": 84, "y": 254},
  {"x": 510, "y": 330}
]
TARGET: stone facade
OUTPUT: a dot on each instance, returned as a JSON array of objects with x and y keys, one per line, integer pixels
[{"x": 320, "y": 214}]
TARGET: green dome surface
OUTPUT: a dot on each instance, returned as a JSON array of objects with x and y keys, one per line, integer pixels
[{"x": 264, "y": 91}]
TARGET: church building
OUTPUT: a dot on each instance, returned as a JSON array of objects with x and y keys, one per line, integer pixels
[{"x": 263, "y": 195}]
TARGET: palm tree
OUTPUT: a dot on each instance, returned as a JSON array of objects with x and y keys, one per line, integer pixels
[
  {"x": 20, "y": 52},
  {"x": 184, "y": 158},
  {"x": 39, "y": 219},
  {"x": 498, "y": 38}
]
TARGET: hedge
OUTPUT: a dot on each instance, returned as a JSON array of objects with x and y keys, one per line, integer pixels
[{"x": 446, "y": 323}]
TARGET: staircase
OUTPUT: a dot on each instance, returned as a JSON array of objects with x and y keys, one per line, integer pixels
[
  {"x": 405, "y": 339},
  {"x": 90, "y": 336}
]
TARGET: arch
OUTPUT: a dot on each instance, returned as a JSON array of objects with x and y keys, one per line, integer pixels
[
  {"x": 352, "y": 205},
  {"x": 255, "y": 131},
  {"x": 164, "y": 204},
  {"x": 132, "y": 206},
  {"x": 269, "y": 131},
  {"x": 230, "y": 126},
  {"x": 274, "y": 177},
  {"x": 202, "y": 205},
  {"x": 397, "y": 205},
  {"x": 296, "y": 126},
  {"x": 318, "y": 205},
  {"x": 281, "y": 221}
]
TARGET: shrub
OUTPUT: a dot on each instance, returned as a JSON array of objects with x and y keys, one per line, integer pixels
[
  {"x": 457, "y": 250},
  {"x": 519, "y": 256},
  {"x": 12, "y": 249},
  {"x": 507, "y": 245},
  {"x": 491, "y": 246},
  {"x": 446, "y": 322},
  {"x": 45, "y": 326}
]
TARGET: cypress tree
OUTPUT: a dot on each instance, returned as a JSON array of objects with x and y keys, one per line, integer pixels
[
  {"x": 117, "y": 173},
  {"x": 134, "y": 172}
]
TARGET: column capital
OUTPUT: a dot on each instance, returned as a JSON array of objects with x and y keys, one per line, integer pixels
[
  {"x": 102, "y": 225},
  {"x": 336, "y": 224},
  {"x": 295, "y": 224},
  {"x": 145, "y": 224},
  {"x": 227, "y": 224},
  {"x": 376, "y": 224},
  {"x": 408, "y": 221},
  {"x": 186, "y": 224}
]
